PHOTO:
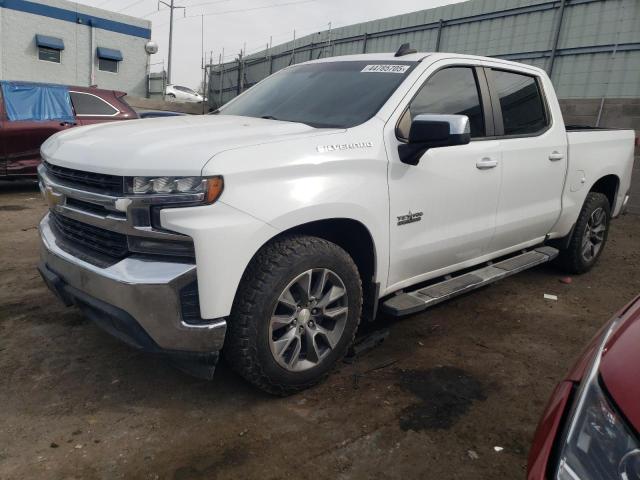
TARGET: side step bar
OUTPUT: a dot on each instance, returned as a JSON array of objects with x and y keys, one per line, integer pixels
[{"x": 418, "y": 300}]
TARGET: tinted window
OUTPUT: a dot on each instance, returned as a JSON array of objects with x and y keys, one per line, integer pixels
[
  {"x": 332, "y": 94},
  {"x": 49, "y": 54},
  {"x": 451, "y": 91},
  {"x": 107, "y": 65},
  {"x": 520, "y": 101},
  {"x": 184, "y": 89},
  {"x": 86, "y": 104}
]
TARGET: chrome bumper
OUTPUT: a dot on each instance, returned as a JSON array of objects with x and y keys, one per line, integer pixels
[{"x": 147, "y": 291}]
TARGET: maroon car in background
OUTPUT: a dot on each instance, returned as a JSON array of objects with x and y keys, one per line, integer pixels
[
  {"x": 20, "y": 140},
  {"x": 590, "y": 428}
]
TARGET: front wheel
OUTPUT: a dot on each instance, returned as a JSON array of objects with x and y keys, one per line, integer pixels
[
  {"x": 589, "y": 235},
  {"x": 295, "y": 314}
]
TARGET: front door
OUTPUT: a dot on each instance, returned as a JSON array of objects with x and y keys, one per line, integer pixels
[
  {"x": 443, "y": 210},
  {"x": 23, "y": 139}
]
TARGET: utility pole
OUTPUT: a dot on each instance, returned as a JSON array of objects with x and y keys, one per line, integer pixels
[{"x": 172, "y": 7}]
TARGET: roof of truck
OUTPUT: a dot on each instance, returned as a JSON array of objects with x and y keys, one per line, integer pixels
[{"x": 419, "y": 56}]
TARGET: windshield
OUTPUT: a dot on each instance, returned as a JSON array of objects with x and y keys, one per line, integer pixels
[
  {"x": 328, "y": 94},
  {"x": 184, "y": 89}
]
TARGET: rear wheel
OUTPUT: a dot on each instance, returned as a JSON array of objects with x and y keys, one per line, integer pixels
[
  {"x": 589, "y": 235},
  {"x": 295, "y": 315}
]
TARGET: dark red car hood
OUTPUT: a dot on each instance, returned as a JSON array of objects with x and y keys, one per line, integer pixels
[{"x": 620, "y": 364}]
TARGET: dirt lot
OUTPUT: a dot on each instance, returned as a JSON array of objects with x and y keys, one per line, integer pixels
[{"x": 468, "y": 375}]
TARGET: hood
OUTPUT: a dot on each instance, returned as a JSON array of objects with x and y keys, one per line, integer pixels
[
  {"x": 620, "y": 364},
  {"x": 179, "y": 145}
]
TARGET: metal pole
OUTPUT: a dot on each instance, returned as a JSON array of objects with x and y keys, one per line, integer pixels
[
  {"x": 364, "y": 42},
  {"x": 293, "y": 49},
  {"x": 606, "y": 88},
  {"x": 170, "y": 42},
  {"x": 204, "y": 69},
  {"x": 556, "y": 38},
  {"x": 221, "y": 77},
  {"x": 239, "y": 83},
  {"x": 439, "y": 37}
]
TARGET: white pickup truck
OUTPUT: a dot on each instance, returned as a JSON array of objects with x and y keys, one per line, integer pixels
[{"x": 268, "y": 229}]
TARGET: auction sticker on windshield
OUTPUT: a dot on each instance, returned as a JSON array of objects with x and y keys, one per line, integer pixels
[{"x": 385, "y": 68}]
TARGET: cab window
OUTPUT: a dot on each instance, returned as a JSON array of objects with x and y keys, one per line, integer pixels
[
  {"x": 521, "y": 102},
  {"x": 452, "y": 90}
]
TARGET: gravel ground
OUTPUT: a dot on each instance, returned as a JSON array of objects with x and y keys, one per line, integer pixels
[{"x": 432, "y": 401}]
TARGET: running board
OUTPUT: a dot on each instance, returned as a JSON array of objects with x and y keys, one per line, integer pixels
[{"x": 418, "y": 300}]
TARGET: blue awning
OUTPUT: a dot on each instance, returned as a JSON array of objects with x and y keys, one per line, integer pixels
[
  {"x": 49, "y": 42},
  {"x": 109, "y": 54}
]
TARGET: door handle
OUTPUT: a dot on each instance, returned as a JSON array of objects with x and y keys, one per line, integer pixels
[
  {"x": 486, "y": 163},
  {"x": 555, "y": 156}
]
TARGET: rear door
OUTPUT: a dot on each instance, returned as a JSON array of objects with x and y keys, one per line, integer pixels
[
  {"x": 91, "y": 108},
  {"x": 534, "y": 158}
]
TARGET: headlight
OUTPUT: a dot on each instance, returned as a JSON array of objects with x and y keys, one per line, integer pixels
[
  {"x": 209, "y": 189},
  {"x": 598, "y": 444}
]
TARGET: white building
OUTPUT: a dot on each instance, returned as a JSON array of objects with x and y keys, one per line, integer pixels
[{"x": 59, "y": 41}]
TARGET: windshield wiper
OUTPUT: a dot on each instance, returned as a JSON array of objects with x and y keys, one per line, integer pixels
[{"x": 269, "y": 117}]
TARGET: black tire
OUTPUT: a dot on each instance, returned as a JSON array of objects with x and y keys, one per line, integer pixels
[
  {"x": 171, "y": 95},
  {"x": 248, "y": 341},
  {"x": 573, "y": 259}
]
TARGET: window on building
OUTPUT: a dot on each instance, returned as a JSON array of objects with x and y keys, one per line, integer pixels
[
  {"x": 108, "y": 59},
  {"x": 107, "y": 65},
  {"x": 521, "y": 102},
  {"x": 86, "y": 104},
  {"x": 48, "y": 54},
  {"x": 49, "y": 48},
  {"x": 451, "y": 91}
]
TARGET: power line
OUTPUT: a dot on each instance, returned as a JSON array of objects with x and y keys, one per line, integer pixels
[
  {"x": 251, "y": 9},
  {"x": 132, "y": 4}
]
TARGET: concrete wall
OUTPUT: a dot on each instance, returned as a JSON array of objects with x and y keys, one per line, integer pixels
[
  {"x": 141, "y": 104},
  {"x": 19, "y": 53}
]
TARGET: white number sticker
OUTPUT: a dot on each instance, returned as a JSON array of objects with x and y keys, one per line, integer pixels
[{"x": 385, "y": 68}]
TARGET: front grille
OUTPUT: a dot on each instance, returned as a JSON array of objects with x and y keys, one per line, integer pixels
[
  {"x": 190, "y": 304},
  {"x": 112, "y": 244},
  {"x": 108, "y": 184}
]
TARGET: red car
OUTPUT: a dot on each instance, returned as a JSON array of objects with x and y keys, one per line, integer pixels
[
  {"x": 32, "y": 112},
  {"x": 590, "y": 428}
]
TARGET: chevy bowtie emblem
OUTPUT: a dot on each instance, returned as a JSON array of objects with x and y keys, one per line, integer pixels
[
  {"x": 409, "y": 218},
  {"x": 53, "y": 198}
]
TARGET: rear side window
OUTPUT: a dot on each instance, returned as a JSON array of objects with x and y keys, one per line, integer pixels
[
  {"x": 454, "y": 91},
  {"x": 90, "y": 105},
  {"x": 521, "y": 103}
]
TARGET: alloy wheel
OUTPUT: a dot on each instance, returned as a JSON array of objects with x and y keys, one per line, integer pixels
[{"x": 308, "y": 320}]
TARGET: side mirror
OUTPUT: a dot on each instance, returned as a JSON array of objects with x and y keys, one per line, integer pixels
[{"x": 432, "y": 131}]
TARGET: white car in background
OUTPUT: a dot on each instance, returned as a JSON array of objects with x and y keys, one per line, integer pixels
[{"x": 183, "y": 94}]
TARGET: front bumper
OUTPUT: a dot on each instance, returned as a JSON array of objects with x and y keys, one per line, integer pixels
[{"x": 136, "y": 299}]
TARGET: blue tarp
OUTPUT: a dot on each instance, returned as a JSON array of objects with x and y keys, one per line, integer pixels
[
  {"x": 37, "y": 101},
  {"x": 109, "y": 54},
  {"x": 49, "y": 42}
]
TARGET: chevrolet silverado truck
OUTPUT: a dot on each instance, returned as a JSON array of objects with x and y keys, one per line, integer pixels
[{"x": 266, "y": 230}]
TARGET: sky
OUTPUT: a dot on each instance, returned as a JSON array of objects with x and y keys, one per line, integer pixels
[{"x": 233, "y": 24}]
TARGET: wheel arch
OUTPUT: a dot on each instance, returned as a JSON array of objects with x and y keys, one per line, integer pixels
[
  {"x": 607, "y": 185},
  {"x": 353, "y": 237}
]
